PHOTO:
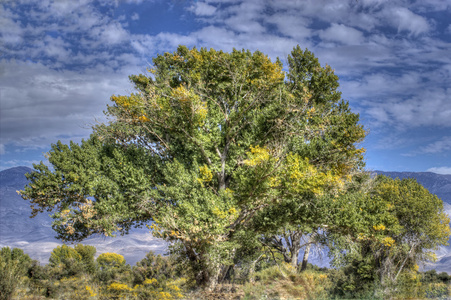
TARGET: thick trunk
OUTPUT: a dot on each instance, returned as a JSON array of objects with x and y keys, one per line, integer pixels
[
  {"x": 294, "y": 256},
  {"x": 207, "y": 277},
  {"x": 213, "y": 279},
  {"x": 305, "y": 257},
  {"x": 295, "y": 247}
]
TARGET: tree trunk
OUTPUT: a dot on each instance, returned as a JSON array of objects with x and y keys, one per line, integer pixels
[
  {"x": 295, "y": 247},
  {"x": 305, "y": 258},
  {"x": 294, "y": 256},
  {"x": 252, "y": 268},
  {"x": 213, "y": 279}
]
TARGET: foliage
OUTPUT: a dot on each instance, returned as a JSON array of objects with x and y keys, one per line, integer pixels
[
  {"x": 14, "y": 265},
  {"x": 154, "y": 266},
  {"x": 285, "y": 282},
  {"x": 273, "y": 280},
  {"x": 75, "y": 287},
  {"x": 112, "y": 267},
  {"x": 158, "y": 289},
  {"x": 399, "y": 225},
  {"x": 209, "y": 140},
  {"x": 65, "y": 261},
  {"x": 87, "y": 257},
  {"x": 110, "y": 260},
  {"x": 234, "y": 161}
]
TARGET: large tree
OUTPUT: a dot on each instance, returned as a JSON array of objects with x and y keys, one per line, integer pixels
[{"x": 208, "y": 142}]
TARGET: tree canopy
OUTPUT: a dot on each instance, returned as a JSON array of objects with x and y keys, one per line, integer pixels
[{"x": 212, "y": 147}]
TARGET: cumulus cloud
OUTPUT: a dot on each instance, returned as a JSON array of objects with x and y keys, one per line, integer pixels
[
  {"x": 428, "y": 108},
  {"x": 110, "y": 34},
  {"x": 11, "y": 31},
  {"x": 77, "y": 53},
  {"x": 406, "y": 20},
  {"x": 55, "y": 103},
  {"x": 291, "y": 25},
  {"x": 202, "y": 9},
  {"x": 440, "y": 170},
  {"x": 342, "y": 34}
]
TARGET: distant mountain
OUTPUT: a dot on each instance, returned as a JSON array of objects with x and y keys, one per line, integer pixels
[
  {"x": 36, "y": 236},
  {"x": 441, "y": 186}
]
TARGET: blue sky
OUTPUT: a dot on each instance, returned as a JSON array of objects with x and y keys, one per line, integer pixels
[{"x": 61, "y": 60}]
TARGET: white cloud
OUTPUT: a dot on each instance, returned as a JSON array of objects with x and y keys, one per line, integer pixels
[
  {"x": 342, "y": 34},
  {"x": 17, "y": 163},
  {"x": 54, "y": 103},
  {"x": 135, "y": 17},
  {"x": 56, "y": 48},
  {"x": 406, "y": 20},
  {"x": 432, "y": 5},
  {"x": 440, "y": 170},
  {"x": 202, "y": 9},
  {"x": 110, "y": 34},
  {"x": 62, "y": 8},
  {"x": 11, "y": 30},
  {"x": 237, "y": 23},
  {"x": 291, "y": 25},
  {"x": 443, "y": 145},
  {"x": 2, "y": 149}
]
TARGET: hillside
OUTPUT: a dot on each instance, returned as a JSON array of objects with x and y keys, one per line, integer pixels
[{"x": 36, "y": 236}]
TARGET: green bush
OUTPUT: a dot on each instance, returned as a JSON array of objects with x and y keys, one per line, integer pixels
[
  {"x": 154, "y": 266},
  {"x": 112, "y": 267},
  {"x": 14, "y": 265},
  {"x": 438, "y": 290},
  {"x": 65, "y": 261},
  {"x": 284, "y": 281}
]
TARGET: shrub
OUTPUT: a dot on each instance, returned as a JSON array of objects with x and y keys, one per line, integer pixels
[
  {"x": 284, "y": 281},
  {"x": 14, "y": 265},
  {"x": 154, "y": 266},
  {"x": 112, "y": 267}
]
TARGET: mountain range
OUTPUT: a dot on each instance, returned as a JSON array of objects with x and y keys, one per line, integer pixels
[{"x": 36, "y": 237}]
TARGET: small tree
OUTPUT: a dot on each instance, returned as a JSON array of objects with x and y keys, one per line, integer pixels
[
  {"x": 87, "y": 253},
  {"x": 423, "y": 224},
  {"x": 398, "y": 223},
  {"x": 112, "y": 267},
  {"x": 154, "y": 266},
  {"x": 65, "y": 261}
]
